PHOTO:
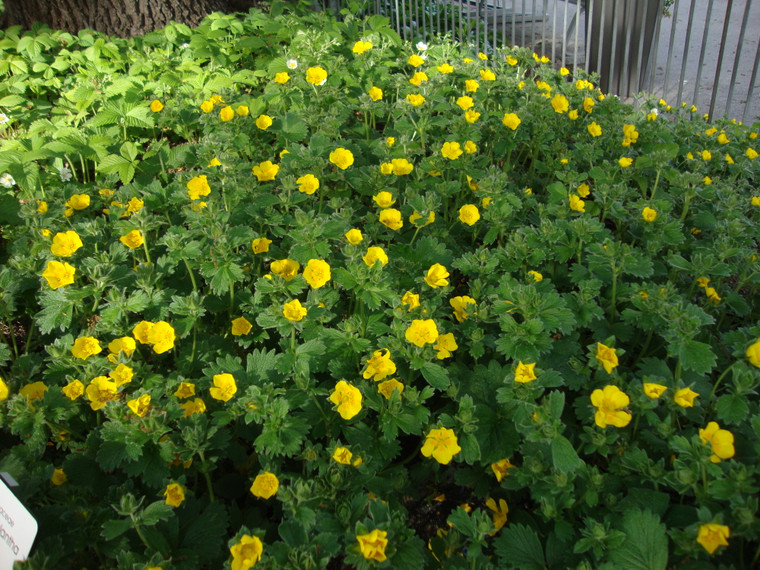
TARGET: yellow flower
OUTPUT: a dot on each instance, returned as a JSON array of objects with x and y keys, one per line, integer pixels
[
  {"x": 470, "y": 147},
  {"x": 384, "y": 199},
  {"x": 577, "y": 204},
  {"x": 685, "y": 397},
  {"x": 609, "y": 403},
  {"x": 422, "y": 332},
  {"x": 354, "y": 236},
  {"x": 416, "y": 217},
  {"x": 401, "y": 166},
  {"x": 198, "y": 186},
  {"x": 487, "y": 75},
  {"x": 207, "y": 106},
  {"x": 192, "y": 407},
  {"x": 33, "y": 391},
  {"x": 751, "y": 153},
  {"x": 721, "y": 441},
  {"x": 441, "y": 444},
  {"x": 316, "y": 273},
  {"x": 380, "y": 366},
  {"x": 375, "y": 93},
  {"x": 342, "y": 158},
  {"x": 72, "y": 390},
  {"x": 511, "y": 120},
  {"x": 263, "y": 122},
  {"x": 387, "y": 387},
  {"x": 583, "y": 190},
  {"x": 415, "y": 60},
  {"x": 156, "y": 106},
  {"x": 451, "y": 150},
  {"x": 606, "y": 356},
  {"x": 224, "y": 387},
  {"x": 649, "y": 214},
  {"x": 133, "y": 205},
  {"x": 588, "y": 104},
  {"x": 242, "y": 110},
  {"x": 308, "y": 184},
  {"x": 625, "y": 162},
  {"x": 78, "y": 202},
  {"x": 226, "y": 113},
  {"x": 573, "y": 115},
  {"x": 469, "y": 214},
  {"x": 386, "y": 168},
  {"x": 410, "y": 299},
  {"x": 58, "y": 274},
  {"x": 293, "y": 311},
  {"x": 281, "y": 77},
  {"x": 418, "y": 78},
  {"x": 372, "y": 545},
  {"x": 373, "y": 255},
  {"x": 140, "y": 406},
  {"x": 654, "y": 391},
  {"x": 753, "y": 353},
  {"x": 501, "y": 468},
  {"x": 594, "y": 129},
  {"x": 499, "y": 513},
  {"x": 445, "y": 345},
  {"x": 161, "y": 335},
  {"x": 437, "y": 276},
  {"x": 140, "y": 331},
  {"x": 511, "y": 60},
  {"x": 59, "y": 477},
  {"x": 560, "y": 104},
  {"x": 471, "y": 116},
  {"x": 175, "y": 494},
  {"x": 65, "y": 244},
  {"x": 543, "y": 85},
  {"x": 347, "y": 398},
  {"x": 246, "y": 553},
  {"x": 525, "y": 373},
  {"x": 459, "y": 304},
  {"x": 445, "y": 68},
  {"x": 728, "y": 158},
  {"x": 133, "y": 239},
  {"x": 85, "y": 346},
  {"x": 465, "y": 102},
  {"x": 241, "y": 326},
  {"x": 713, "y": 535},
  {"x": 122, "y": 374},
  {"x": 285, "y": 268},
  {"x": 99, "y": 391},
  {"x": 185, "y": 390},
  {"x": 390, "y": 141},
  {"x": 361, "y": 46},
  {"x": 265, "y": 485},
  {"x": 706, "y": 155},
  {"x": 482, "y": 56},
  {"x": 42, "y": 207},
  {"x": 471, "y": 86},
  {"x": 266, "y": 171},
  {"x": 260, "y": 245},
  {"x": 342, "y": 455},
  {"x": 536, "y": 276},
  {"x": 316, "y": 75},
  {"x": 415, "y": 99},
  {"x": 391, "y": 218}
]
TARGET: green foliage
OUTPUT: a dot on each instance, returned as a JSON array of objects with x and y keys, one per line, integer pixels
[{"x": 551, "y": 361}]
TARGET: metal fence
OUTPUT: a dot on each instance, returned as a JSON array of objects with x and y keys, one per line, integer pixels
[{"x": 703, "y": 52}]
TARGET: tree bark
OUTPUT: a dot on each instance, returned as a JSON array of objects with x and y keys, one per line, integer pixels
[{"x": 123, "y": 18}]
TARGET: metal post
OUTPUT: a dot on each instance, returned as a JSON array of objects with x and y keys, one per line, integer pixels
[
  {"x": 686, "y": 51},
  {"x": 737, "y": 58},
  {"x": 722, "y": 49},
  {"x": 702, "y": 50},
  {"x": 752, "y": 84},
  {"x": 670, "y": 46}
]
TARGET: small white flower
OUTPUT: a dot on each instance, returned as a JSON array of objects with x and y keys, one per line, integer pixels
[
  {"x": 422, "y": 46},
  {"x": 291, "y": 63},
  {"x": 65, "y": 174},
  {"x": 654, "y": 112},
  {"x": 3, "y": 118},
  {"x": 185, "y": 45},
  {"x": 7, "y": 180}
]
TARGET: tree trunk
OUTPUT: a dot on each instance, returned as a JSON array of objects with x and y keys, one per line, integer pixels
[{"x": 123, "y": 18}]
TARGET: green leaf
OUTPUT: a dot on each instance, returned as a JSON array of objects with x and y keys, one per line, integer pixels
[
  {"x": 56, "y": 312},
  {"x": 564, "y": 456},
  {"x": 646, "y": 543},
  {"x": 293, "y": 533},
  {"x": 222, "y": 276},
  {"x": 696, "y": 356},
  {"x": 731, "y": 408},
  {"x": 156, "y": 511},
  {"x": 436, "y": 375},
  {"x": 112, "y": 529},
  {"x": 292, "y": 127},
  {"x": 519, "y": 547}
]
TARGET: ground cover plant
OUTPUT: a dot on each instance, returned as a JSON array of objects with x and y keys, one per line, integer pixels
[{"x": 288, "y": 292}]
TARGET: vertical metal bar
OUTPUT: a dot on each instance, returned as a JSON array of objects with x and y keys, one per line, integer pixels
[
  {"x": 395, "y": 15},
  {"x": 686, "y": 51},
  {"x": 642, "y": 69},
  {"x": 600, "y": 33},
  {"x": 523, "y": 26},
  {"x": 722, "y": 49},
  {"x": 752, "y": 84},
  {"x": 655, "y": 48},
  {"x": 702, "y": 50},
  {"x": 613, "y": 50},
  {"x": 543, "y": 25},
  {"x": 670, "y": 46},
  {"x": 554, "y": 28},
  {"x": 461, "y": 32},
  {"x": 564, "y": 35},
  {"x": 589, "y": 28},
  {"x": 495, "y": 27},
  {"x": 737, "y": 59},
  {"x": 577, "y": 33}
]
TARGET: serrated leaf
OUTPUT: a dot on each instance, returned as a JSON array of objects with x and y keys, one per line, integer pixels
[
  {"x": 156, "y": 511},
  {"x": 57, "y": 311},
  {"x": 518, "y": 546},
  {"x": 646, "y": 543},
  {"x": 436, "y": 375},
  {"x": 112, "y": 529},
  {"x": 696, "y": 356},
  {"x": 731, "y": 409},
  {"x": 564, "y": 456},
  {"x": 292, "y": 127}
]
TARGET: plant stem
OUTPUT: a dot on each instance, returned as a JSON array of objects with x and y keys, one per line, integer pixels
[
  {"x": 190, "y": 273},
  {"x": 656, "y": 183}
]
